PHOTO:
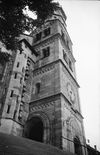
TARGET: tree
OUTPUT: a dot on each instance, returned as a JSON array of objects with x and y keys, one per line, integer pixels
[{"x": 14, "y": 21}]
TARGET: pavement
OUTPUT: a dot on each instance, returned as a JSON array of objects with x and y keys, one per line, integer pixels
[{"x": 14, "y": 145}]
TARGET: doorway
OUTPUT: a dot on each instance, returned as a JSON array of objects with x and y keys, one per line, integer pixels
[
  {"x": 77, "y": 146},
  {"x": 34, "y": 129}
]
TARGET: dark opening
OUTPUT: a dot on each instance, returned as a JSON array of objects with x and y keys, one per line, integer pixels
[
  {"x": 46, "y": 52},
  {"x": 12, "y": 93},
  {"x": 38, "y": 37},
  {"x": 17, "y": 64},
  {"x": 8, "y": 108},
  {"x": 47, "y": 32},
  {"x": 37, "y": 91},
  {"x": 21, "y": 50},
  {"x": 77, "y": 146},
  {"x": 34, "y": 129},
  {"x": 15, "y": 76}
]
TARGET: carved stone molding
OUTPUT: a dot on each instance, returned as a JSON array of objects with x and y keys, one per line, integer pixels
[
  {"x": 43, "y": 70},
  {"x": 42, "y": 106}
]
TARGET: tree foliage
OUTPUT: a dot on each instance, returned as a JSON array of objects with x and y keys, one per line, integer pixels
[{"x": 13, "y": 21}]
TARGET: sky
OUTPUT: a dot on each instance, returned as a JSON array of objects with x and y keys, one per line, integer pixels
[{"x": 83, "y": 25}]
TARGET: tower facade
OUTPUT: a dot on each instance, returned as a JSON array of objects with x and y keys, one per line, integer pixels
[
  {"x": 55, "y": 115},
  {"x": 41, "y": 100}
]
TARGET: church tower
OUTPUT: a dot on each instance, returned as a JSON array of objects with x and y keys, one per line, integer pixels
[{"x": 55, "y": 115}]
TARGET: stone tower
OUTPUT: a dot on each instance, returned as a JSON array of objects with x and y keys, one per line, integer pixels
[
  {"x": 55, "y": 115},
  {"x": 39, "y": 96}
]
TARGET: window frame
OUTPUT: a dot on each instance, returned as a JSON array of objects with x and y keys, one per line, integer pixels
[
  {"x": 11, "y": 93},
  {"x": 8, "y": 109},
  {"x": 17, "y": 64},
  {"x": 46, "y": 52},
  {"x": 46, "y": 32},
  {"x": 15, "y": 76},
  {"x": 37, "y": 88},
  {"x": 38, "y": 37}
]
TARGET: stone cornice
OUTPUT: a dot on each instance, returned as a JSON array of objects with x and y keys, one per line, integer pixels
[
  {"x": 72, "y": 107},
  {"x": 48, "y": 40},
  {"x": 45, "y": 100},
  {"x": 43, "y": 69},
  {"x": 51, "y": 39},
  {"x": 69, "y": 73},
  {"x": 50, "y": 66},
  {"x": 50, "y": 100}
]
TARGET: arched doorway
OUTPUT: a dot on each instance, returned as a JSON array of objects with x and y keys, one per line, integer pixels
[
  {"x": 34, "y": 129},
  {"x": 77, "y": 146}
]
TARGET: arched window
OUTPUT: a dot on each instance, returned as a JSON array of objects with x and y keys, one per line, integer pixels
[
  {"x": 37, "y": 88},
  {"x": 77, "y": 146}
]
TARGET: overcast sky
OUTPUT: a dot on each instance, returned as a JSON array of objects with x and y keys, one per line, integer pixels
[{"x": 83, "y": 25}]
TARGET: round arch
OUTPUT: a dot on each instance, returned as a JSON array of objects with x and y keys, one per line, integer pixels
[
  {"x": 37, "y": 127},
  {"x": 75, "y": 135},
  {"x": 77, "y": 146}
]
